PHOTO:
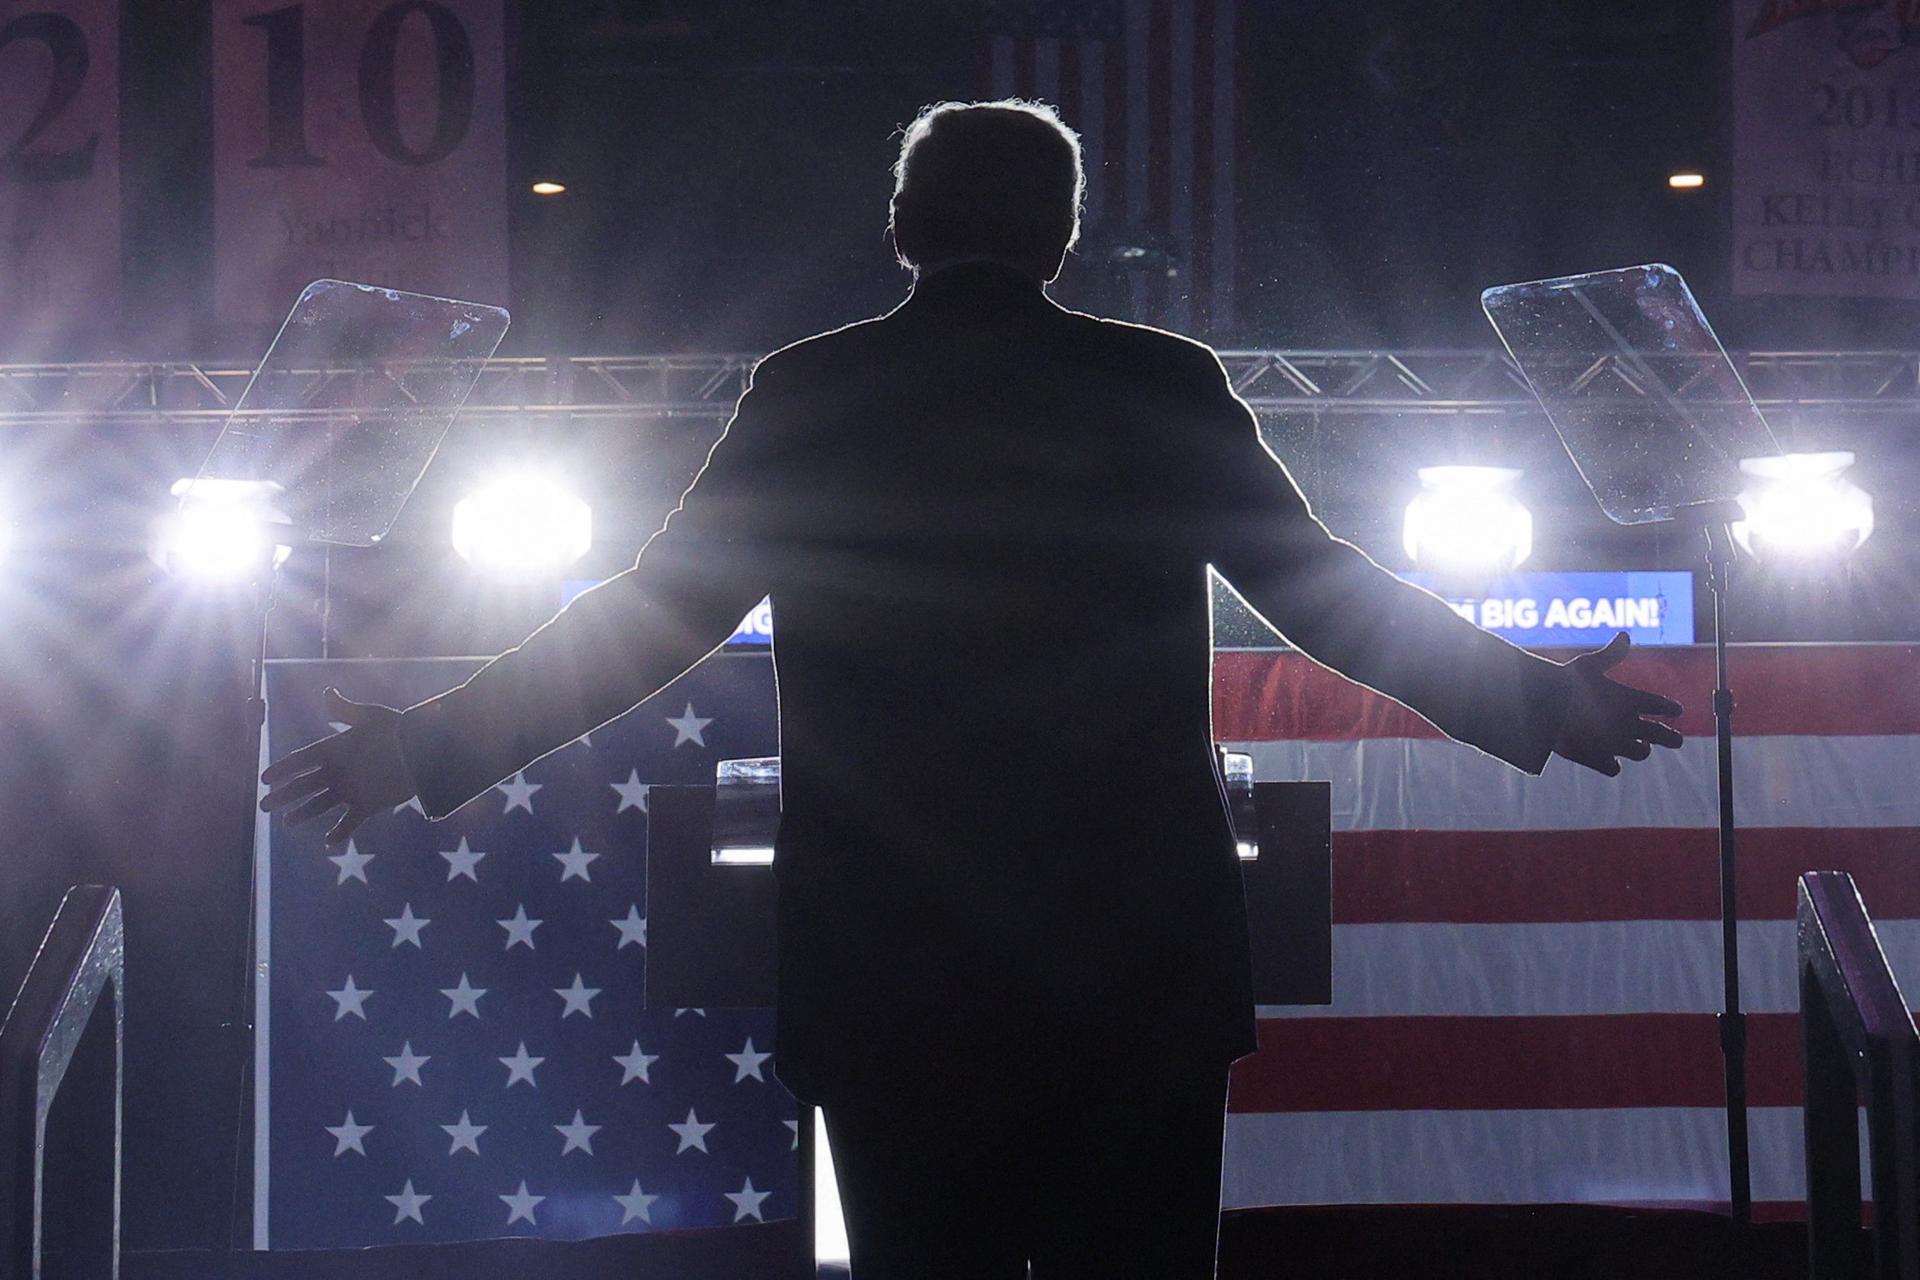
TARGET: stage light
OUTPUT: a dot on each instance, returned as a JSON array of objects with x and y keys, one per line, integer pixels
[
  {"x": 1466, "y": 520},
  {"x": 221, "y": 530},
  {"x": 1686, "y": 180},
  {"x": 549, "y": 188},
  {"x": 1800, "y": 506},
  {"x": 522, "y": 525}
]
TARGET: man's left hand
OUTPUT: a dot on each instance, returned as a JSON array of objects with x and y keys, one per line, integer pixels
[{"x": 1605, "y": 720}]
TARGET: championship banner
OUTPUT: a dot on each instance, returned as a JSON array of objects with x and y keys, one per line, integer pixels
[
  {"x": 1826, "y": 170},
  {"x": 358, "y": 140},
  {"x": 59, "y": 168}
]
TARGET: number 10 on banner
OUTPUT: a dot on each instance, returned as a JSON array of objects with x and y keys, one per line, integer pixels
[{"x": 357, "y": 139}]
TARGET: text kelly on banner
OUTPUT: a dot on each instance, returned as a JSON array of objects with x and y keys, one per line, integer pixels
[{"x": 1826, "y": 132}]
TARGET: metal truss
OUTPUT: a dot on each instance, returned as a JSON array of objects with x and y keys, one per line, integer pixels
[{"x": 1432, "y": 382}]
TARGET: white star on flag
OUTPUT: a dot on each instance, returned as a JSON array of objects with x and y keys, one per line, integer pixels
[
  {"x": 746, "y": 1201},
  {"x": 636, "y": 1204},
  {"x": 407, "y": 926},
  {"x": 578, "y": 1135},
  {"x": 521, "y": 1204},
  {"x": 633, "y": 792},
  {"x": 689, "y": 728},
  {"x": 632, "y": 930},
  {"x": 579, "y": 998},
  {"x": 407, "y": 1065},
  {"x": 465, "y": 1135},
  {"x": 520, "y": 1067},
  {"x": 575, "y": 861},
  {"x": 633, "y": 1066},
  {"x": 466, "y": 999},
  {"x": 795, "y": 1126},
  {"x": 350, "y": 1000},
  {"x": 519, "y": 792},
  {"x": 413, "y": 804},
  {"x": 348, "y": 1135},
  {"x": 692, "y": 1133},
  {"x": 519, "y": 929},
  {"x": 407, "y": 1205},
  {"x": 747, "y": 1062},
  {"x": 352, "y": 864},
  {"x": 461, "y": 861}
]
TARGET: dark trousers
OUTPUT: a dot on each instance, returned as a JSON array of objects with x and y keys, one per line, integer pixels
[{"x": 1086, "y": 1170}]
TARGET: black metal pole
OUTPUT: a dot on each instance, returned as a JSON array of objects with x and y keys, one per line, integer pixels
[
  {"x": 1733, "y": 1022},
  {"x": 242, "y": 1026}
]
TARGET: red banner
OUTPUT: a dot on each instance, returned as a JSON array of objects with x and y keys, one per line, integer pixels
[
  {"x": 1826, "y": 178},
  {"x": 59, "y": 171},
  {"x": 359, "y": 140}
]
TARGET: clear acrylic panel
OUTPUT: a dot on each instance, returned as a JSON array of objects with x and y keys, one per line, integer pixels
[
  {"x": 351, "y": 403},
  {"x": 1637, "y": 385}
]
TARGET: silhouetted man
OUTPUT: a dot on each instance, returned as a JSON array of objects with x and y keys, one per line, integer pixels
[{"x": 1013, "y": 949}]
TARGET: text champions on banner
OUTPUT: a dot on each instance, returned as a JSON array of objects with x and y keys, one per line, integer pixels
[
  {"x": 59, "y": 171},
  {"x": 1826, "y": 173},
  {"x": 359, "y": 140}
]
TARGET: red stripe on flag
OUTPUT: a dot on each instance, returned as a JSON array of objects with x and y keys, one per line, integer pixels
[
  {"x": 1510, "y": 1064},
  {"x": 1835, "y": 690},
  {"x": 1667, "y": 873}
]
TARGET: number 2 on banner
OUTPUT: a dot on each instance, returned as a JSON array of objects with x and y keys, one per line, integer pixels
[
  {"x": 67, "y": 44},
  {"x": 285, "y": 31}
]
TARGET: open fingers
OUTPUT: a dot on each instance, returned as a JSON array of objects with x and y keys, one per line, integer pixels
[
  {"x": 349, "y": 823},
  {"x": 1660, "y": 735},
  {"x": 294, "y": 790},
  {"x": 313, "y": 808},
  {"x": 295, "y": 763}
]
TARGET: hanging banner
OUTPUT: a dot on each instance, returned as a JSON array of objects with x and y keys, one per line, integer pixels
[
  {"x": 59, "y": 171},
  {"x": 359, "y": 140},
  {"x": 1826, "y": 159}
]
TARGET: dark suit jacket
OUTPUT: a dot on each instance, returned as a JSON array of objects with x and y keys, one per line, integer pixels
[{"x": 984, "y": 522}]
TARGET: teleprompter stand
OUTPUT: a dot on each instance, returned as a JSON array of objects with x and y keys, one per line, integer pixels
[
  {"x": 1657, "y": 420},
  {"x": 333, "y": 433}
]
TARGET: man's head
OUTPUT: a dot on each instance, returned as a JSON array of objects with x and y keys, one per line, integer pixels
[{"x": 998, "y": 180}]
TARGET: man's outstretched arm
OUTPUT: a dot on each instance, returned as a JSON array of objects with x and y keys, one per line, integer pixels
[
  {"x": 611, "y": 648},
  {"x": 1346, "y": 612}
]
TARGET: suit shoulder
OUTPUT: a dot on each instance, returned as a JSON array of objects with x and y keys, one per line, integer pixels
[
  {"x": 1158, "y": 349},
  {"x": 816, "y": 356}
]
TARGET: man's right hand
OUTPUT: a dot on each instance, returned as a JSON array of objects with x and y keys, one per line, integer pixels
[{"x": 360, "y": 768}]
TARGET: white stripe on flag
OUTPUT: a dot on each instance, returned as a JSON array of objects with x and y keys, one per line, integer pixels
[
  {"x": 1569, "y": 969},
  {"x": 1419, "y": 784},
  {"x": 1504, "y": 1157}
]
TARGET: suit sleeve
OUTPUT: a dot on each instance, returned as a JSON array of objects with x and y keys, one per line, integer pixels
[
  {"x": 1330, "y": 599},
  {"x": 619, "y": 643}
]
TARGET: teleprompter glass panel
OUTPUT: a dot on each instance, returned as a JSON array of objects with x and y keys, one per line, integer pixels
[
  {"x": 351, "y": 403},
  {"x": 1636, "y": 383}
]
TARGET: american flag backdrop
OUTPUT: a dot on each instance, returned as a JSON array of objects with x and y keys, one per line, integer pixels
[
  {"x": 1525, "y": 970},
  {"x": 453, "y": 1042},
  {"x": 1150, "y": 87}
]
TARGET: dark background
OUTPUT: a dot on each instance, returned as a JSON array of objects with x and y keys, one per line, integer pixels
[{"x": 728, "y": 172}]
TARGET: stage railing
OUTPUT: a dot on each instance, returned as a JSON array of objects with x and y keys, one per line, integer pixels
[
  {"x": 1860, "y": 1047},
  {"x": 83, "y": 953}
]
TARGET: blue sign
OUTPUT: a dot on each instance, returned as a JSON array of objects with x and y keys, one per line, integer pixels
[
  {"x": 1576, "y": 610},
  {"x": 756, "y": 629}
]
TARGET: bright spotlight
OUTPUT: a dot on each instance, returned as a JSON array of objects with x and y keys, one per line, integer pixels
[
  {"x": 522, "y": 525},
  {"x": 1465, "y": 520},
  {"x": 549, "y": 188},
  {"x": 1686, "y": 180},
  {"x": 1800, "y": 506},
  {"x": 221, "y": 530}
]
